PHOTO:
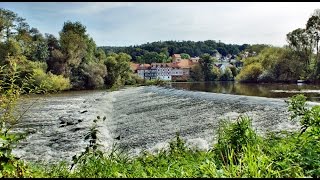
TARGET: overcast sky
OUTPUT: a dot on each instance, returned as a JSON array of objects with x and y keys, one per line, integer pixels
[{"x": 132, "y": 23}]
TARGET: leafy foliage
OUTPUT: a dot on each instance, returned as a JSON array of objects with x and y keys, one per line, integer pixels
[
  {"x": 169, "y": 48},
  {"x": 250, "y": 72}
]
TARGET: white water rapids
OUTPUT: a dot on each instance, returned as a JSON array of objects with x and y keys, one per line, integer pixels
[{"x": 141, "y": 118}]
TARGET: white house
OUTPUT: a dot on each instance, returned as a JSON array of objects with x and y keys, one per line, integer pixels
[
  {"x": 144, "y": 71},
  {"x": 163, "y": 71}
]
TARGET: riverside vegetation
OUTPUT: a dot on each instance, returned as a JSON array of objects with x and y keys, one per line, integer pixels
[{"x": 239, "y": 151}]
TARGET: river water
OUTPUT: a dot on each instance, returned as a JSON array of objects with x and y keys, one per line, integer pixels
[
  {"x": 273, "y": 90},
  {"x": 137, "y": 118}
]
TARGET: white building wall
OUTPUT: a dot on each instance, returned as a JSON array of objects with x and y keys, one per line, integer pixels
[
  {"x": 176, "y": 72},
  {"x": 164, "y": 73},
  {"x": 140, "y": 73}
]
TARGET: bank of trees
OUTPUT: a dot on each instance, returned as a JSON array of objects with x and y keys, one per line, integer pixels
[
  {"x": 71, "y": 60},
  {"x": 297, "y": 60},
  {"x": 162, "y": 50}
]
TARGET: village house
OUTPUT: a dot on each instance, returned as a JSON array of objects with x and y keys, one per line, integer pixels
[
  {"x": 195, "y": 59},
  {"x": 162, "y": 70},
  {"x": 177, "y": 70},
  {"x": 182, "y": 67},
  {"x": 144, "y": 71}
]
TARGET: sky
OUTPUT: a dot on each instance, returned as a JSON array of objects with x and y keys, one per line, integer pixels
[{"x": 134, "y": 23}]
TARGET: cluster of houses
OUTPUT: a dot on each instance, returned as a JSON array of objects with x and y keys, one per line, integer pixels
[{"x": 178, "y": 70}]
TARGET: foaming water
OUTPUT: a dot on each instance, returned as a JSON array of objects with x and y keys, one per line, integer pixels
[
  {"x": 138, "y": 118},
  {"x": 297, "y": 91}
]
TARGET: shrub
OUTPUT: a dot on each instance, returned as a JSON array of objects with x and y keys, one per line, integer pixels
[
  {"x": 250, "y": 72},
  {"x": 215, "y": 73},
  {"x": 48, "y": 82},
  {"x": 232, "y": 137},
  {"x": 266, "y": 76},
  {"x": 308, "y": 145},
  {"x": 226, "y": 75},
  {"x": 134, "y": 79}
]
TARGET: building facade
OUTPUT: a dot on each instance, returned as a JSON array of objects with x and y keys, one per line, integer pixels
[{"x": 177, "y": 70}]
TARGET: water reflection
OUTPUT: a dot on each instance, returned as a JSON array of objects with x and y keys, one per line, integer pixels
[{"x": 274, "y": 90}]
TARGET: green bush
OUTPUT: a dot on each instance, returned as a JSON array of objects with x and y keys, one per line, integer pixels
[
  {"x": 226, "y": 75},
  {"x": 215, "y": 73},
  {"x": 233, "y": 137},
  {"x": 250, "y": 72},
  {"x": 154, "y": 82},
  {"x": 48, "y": 82},
  {"x": 133, "y": 80}
]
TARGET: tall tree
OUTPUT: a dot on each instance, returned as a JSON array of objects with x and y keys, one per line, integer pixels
[
  {"x": 7, "y": 22},
  {"x": 207, "y": 64},
  {"x": 73, "y": 42},
  {"x": 300, "y": 41},
  {"x": 118, "y": 68},
  {"x": 313, "y": 27}
]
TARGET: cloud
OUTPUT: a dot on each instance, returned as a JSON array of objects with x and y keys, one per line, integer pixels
[
  {"x": 85, "y": 8},
  {"x": 129, "y": 23}
]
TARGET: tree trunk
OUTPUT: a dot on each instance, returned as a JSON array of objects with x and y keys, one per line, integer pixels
[{"x": 317, "y": 61}]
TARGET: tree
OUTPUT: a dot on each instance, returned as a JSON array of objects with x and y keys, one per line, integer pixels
[
  {"x": 313, "y": 28},
  {"x": 57, "y": 62},
  {"x": 41, "y": 53},
  {"x": 52, "y": 42},
  {"x": 227, "y": 75},
  {"x": 197, "y": 73},
  {"x": 207, "y": 62},
  {"x": 73, "y": 42},
  {"x": 94, "y": 74},
  {"x": 7, "y": 20},
  {"x": 300, "y": 41},
  {"x": 185, "y": 56},
  {"x": 118, "y": 69},
  {"x": 36, "y": 35},
  {"x": 215, "y": 73}
]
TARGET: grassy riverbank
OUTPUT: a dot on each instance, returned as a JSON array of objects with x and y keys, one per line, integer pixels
[{"x": 240, "y": 152}]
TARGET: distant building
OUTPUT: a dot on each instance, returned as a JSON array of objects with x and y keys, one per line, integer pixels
[
  {"x": 162, "y": 70},
  {"x": 134, "y": 67},
  {"x": 177, "y": 70},
  {"x": 144, "y": 71},
  {"x": 195, "y": 59}
]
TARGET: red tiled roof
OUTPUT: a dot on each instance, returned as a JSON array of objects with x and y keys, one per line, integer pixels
[
  {"x": 161, "y": 64},
  {"x": 143, "y": 66},
  {"x": 134, "y": 66},
  {"x": 185, "y": 63}
]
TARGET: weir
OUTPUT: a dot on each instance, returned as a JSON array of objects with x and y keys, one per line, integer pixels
[{"x": 137, "y": 118}]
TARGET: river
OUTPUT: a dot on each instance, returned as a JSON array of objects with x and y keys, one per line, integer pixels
[
  {"x": 137, "y": 118},
  {"x": 272, "y": 90}
]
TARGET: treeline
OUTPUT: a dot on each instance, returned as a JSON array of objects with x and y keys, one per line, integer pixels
[
  {"x": 162, "y": 50},
  {"x": 297, "y": 60},
  {"x": 51, "y": 63}
]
